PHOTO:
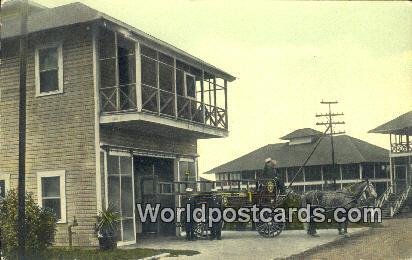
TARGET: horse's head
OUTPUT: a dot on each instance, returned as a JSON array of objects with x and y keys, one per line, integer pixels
[{"x": 369, "y": 191}]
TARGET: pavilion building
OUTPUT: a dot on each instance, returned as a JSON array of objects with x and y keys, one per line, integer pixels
[{"x": 354, "y": 160}]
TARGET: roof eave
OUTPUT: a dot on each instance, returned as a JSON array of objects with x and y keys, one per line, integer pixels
[
  {"x": 401, "y": 124},
  {"x": 376, "y": 131},
  {"x": 383, "y": 130},
  {"x": 99, "y": 17}
]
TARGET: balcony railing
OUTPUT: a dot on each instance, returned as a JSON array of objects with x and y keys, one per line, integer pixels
[
  {"x": 403, "y": 147},
  {"x": 118, "y": 98},
  {"x": 162, "y": 103}
]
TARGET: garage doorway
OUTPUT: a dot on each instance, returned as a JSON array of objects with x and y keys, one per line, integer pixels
[{"x": 149, "y": 172}]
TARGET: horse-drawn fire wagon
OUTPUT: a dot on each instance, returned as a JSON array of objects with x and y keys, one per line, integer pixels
[{"x": 264, "y": 194}]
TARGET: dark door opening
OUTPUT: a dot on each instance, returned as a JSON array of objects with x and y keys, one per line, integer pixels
[
  {"x": 149, "y": 171},
  {"x": 400, "y": 178}
]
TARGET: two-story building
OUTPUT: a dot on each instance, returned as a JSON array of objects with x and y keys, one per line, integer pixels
[
  {"x": 400, "y": 154},
  {"x": 111, "y": 111}
]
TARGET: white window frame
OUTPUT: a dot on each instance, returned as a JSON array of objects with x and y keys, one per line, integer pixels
[
  {"x": 185, "y": 85},
  {"x": 63, "y": 206},
  {"x": 6, "y": 178},
  {"x": 59, "y": 47}
]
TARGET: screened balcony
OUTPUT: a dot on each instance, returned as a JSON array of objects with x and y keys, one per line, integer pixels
[
  {"x": 137, "y": 79},
  {"x": 400, "y": 143}
]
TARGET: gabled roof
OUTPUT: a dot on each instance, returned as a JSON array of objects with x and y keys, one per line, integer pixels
[
  {"x": 304, "y": 132},
  {"x": 400, "y": 125},
  {"x": 347, "y": 150},
  {"x": 77, "y": 13}
]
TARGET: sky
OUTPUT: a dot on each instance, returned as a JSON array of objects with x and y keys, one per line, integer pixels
[{"x": 287, "y": 57}]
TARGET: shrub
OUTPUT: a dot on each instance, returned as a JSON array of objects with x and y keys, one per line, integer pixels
[{"x": 40, "y": 225}]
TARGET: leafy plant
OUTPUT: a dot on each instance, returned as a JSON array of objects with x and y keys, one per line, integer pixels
[
  {"x": 106, "y": 228},
  {"x": 108, "y": 221},
  {"x": 40, "y": 225}
]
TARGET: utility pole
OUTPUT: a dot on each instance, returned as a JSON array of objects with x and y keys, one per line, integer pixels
[
  {"x": 21, "y": 215},
  {"x": 330, "y": 123}
]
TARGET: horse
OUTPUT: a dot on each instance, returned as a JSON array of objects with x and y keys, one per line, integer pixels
[{"x": 347, "y": 198}]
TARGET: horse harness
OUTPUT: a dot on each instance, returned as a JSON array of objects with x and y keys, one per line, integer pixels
[{"x": 355, "y": 199}]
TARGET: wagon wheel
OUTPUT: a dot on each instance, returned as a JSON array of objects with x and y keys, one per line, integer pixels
[
  {"x": 201, "y": 230},
  {"x": 270, "y": 229}
]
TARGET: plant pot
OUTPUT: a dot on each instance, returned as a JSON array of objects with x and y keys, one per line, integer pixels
[{"x": 107, "y": 243}]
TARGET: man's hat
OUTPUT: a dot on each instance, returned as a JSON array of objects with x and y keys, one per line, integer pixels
[
  {"x": 189, "y": 189},
  {"x": 268, "y": 160}
]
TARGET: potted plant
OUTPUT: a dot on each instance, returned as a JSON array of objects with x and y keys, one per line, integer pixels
[{"x": 106, "y": 228}]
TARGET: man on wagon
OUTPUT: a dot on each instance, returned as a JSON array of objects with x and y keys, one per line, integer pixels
[{"x": 270, "y": 170}]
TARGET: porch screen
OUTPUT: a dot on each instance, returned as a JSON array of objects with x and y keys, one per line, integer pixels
[{"x": 117, "y": 62}]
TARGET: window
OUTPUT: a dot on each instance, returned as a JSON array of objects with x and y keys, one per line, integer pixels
[
  {"x": 49, "y": 70},
  {"x": 2, "y": 189},
  {"x": 166, "y": 76},
  {"x": 190, "y": 85},
  {"x": 120, "y": 192},
  {"x": 350, "y": 171},
  {"x": 292, "y": 173},
  {"x": 312, "y": 173},
  {"x": 51, "y": 188},
  {"x": 235, "y": 176},
  {"x": 187, "y": 170},
  {"x": 248, "y": 175},
  {"x": 368, "y": 171},
  {"x": 180, "y": 89},
  {"x": 148, "y": 66},
  {"x": 332, "y": 172},
  {"x": 382, "y": 171},
  {"x": 4, "y": 185}
]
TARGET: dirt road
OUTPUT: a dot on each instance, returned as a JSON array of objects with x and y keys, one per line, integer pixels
[
  {"x": 238, "y": 245},
  {"x": 393, "y": 241}
]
